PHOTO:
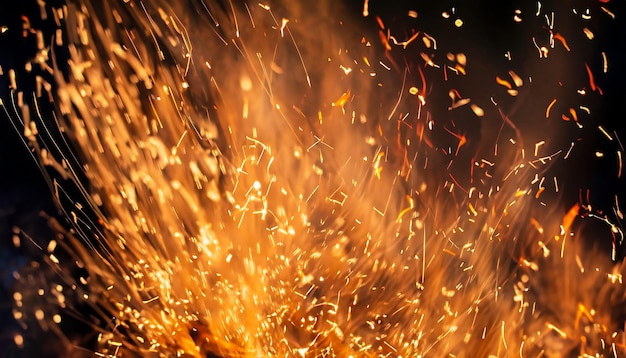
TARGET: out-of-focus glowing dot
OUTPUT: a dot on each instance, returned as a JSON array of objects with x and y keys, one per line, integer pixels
[
  {"x": 413, "y": 14},
  {"x": 599, "y": 154},
  {"x": 16, "y": 238},
  {"x": 56, "y": 318},
  {"x": 426, "y": 41},
  {"x": 16, "y": 231},
  {"x": 39, "y": 315},
  {"x": 18, "y": 339},
  {"x": 461, "y": 59},
  {"x": 479, "y": 112},
  {"x": 17, "y": 296},
  {"x": 185, "y": 85},
  {"x": 445, "y": 15},
  {"x": 413, "y": 90},
  {"x": 338, "y": 250},
  {"x": 52, "y": 245},
  {"x": 245, "y": 83},
  {"x": 41, "y": 292},
  {"x": 458, "y": 22},
  {"x": 256, "y": 185},
  {"x": 517, "y": 17}
]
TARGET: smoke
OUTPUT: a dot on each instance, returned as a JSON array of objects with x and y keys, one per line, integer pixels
[{"x": 278, "y": 179}]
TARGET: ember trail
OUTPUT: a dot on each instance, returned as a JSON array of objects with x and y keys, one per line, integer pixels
[{"x": 293, "y": 179}]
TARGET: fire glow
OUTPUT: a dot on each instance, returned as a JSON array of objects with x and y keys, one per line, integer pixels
[{"x": 273, "y": 179}]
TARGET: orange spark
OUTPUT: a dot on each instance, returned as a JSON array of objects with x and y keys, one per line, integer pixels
[
  {"x": 572, "y": 111},
  {"x": 568, "y": 219},
  {"x": 537, "y": 225},
  {"x": 461, "y": 137},
  {"x": 423, "y": 78},
  {"x": 411, "y": 39},
  {"x": 504, "y": 83},
  {"x": 383, "y": 40},
  {"x": 538, "y": 194},
  {"x": 406, "y": 210},
  {"x": 457, "y": 183},
  {"x": 342, "y": 100},
  {"x": 563, "y": 41},
  {"x": 582, "y": 310},
  {"x": 419, "y": 130},
  {"x": 592, "y": 82},
  {"x": 550, "y": 107},
  {"x": 516, "y": 79},
  {"x": 380, "y": 22},
  {"x": 377, "y": 167},
  {"x": 472, "y": 209}
]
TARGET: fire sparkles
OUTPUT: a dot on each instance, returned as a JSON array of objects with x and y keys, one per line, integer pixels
[{"x": 286, "y": 179}]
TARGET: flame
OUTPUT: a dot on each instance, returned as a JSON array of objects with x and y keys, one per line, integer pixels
[{"x": 230, "y": 197}]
